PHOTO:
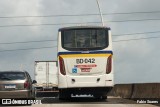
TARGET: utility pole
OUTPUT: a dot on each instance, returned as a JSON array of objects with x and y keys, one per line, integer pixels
[{"x": 100, "y": 13}]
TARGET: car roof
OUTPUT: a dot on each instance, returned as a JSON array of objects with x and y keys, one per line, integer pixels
[{"x": 12, "y": 71}]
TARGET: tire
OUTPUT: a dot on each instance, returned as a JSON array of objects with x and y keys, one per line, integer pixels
[
  {"x": 64, "y": 94},
  {"x": 97, "y": 97},
  {"x": 104, "y": 97},
  {"x": 100, "y": 97}
]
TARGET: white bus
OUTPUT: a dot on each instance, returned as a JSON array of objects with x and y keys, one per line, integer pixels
[{"x": 85, "y": 63}]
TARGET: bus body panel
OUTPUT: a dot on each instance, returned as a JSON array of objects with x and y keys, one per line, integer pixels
[
  {"x": 85, "y": 69},
  {"x": 67, "y": 81},
  {"x": 85, "y": 64}
]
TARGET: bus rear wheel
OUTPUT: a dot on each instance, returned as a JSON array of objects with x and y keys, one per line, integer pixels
[
  {"x": 64, "y": 94},
  {"x": 102, "y": 97}
]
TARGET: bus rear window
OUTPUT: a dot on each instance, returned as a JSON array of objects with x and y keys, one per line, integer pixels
[{"x": 84, "y": 39}]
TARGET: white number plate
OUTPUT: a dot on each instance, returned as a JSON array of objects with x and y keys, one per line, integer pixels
[{"x": 10, "y": 86}]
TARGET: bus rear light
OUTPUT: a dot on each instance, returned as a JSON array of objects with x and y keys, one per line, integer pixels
[
  {"x": 109, "y": 64},
  {"x": 62, "y": 67}
]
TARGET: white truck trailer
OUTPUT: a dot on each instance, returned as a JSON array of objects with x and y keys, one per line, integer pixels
[{"x": 46, "y": 76}]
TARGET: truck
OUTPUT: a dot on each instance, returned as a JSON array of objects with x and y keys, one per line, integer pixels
[{"x": 46, "y": 76}]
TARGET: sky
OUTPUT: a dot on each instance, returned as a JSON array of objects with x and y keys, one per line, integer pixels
[{"x": 135, "y": 61}]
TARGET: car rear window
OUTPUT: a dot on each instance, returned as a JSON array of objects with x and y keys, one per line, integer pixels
[{"x": 12, "y": 75}]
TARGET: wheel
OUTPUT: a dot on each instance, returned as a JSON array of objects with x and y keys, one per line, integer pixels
[
  {"x": 103, "y": 97},
  {"x": 64, "y": 94},
  {"x": 97, "y": 97}
]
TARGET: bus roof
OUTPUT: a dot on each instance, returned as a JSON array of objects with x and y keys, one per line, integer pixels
[{"x": 80, "y": 27}]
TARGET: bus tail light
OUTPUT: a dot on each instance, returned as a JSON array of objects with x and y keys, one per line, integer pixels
[
  {"x": 62, "y": 67},
  {"x": 109, "y": 64}
]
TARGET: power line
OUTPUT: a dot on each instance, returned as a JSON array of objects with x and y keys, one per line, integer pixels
[
  {"x": 136, "y": 33},
  {"x": 56, "y": 46},
  {"x": 50, "y": 40},
  {"x": 149, "y": 12},
  {"x": 47, "y": 24},
  {"x": 94, "y": 14},
  {"x": 135, "y": 39},
  {"x": 134, "y": 20},
  {"x": 28, "y": 49},
  {"x": 28, "y": 41}
]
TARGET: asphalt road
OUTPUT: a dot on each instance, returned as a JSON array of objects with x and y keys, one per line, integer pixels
[
  {"x": 89, "y": 102},
  {"x": 93, "y": 105}
]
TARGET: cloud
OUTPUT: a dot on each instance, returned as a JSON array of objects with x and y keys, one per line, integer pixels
[{"x": 135, "y": 61}]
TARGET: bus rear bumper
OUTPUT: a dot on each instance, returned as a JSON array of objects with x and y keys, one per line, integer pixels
[
  {"x": 87, "y": 90},
  {"x": 88, "y": 81}
]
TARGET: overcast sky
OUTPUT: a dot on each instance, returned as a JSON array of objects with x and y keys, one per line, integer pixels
[{"x": 135, "y": 61}]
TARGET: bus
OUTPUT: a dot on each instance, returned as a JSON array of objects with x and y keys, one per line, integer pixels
[{"x": 85, "y": 61}]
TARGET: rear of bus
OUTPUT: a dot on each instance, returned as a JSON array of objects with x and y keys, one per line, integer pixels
[{"x": 85, "y": 61}]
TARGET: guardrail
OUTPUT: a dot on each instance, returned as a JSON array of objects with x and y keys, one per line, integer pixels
[{"x": 141, "y": 90}]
